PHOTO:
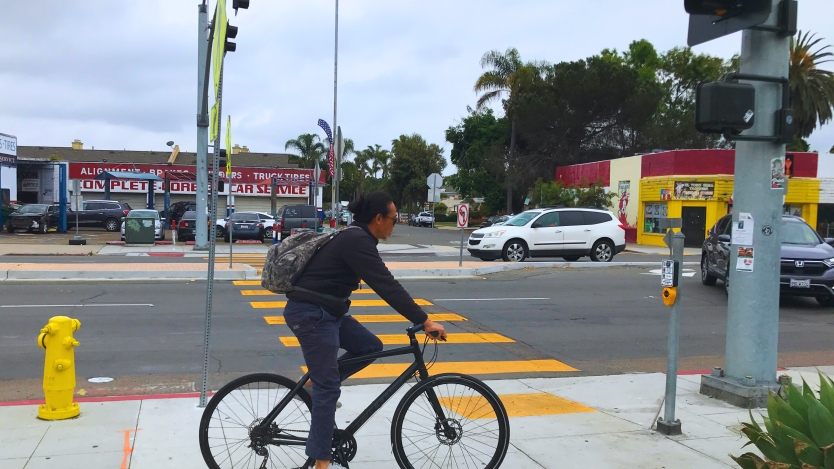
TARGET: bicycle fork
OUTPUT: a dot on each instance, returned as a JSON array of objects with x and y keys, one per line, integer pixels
[{"x": 442, "y": 422}]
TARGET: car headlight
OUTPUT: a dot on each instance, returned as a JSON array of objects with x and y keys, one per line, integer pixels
[
  {"x": 495, "y": 234},
  {"x": 829, "y": 262}
]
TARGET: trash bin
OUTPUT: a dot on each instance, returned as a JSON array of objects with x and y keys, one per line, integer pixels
[{"x": 140, "y": 229}]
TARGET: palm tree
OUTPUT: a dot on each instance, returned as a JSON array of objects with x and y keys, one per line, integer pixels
[
  {"x": 375, "y": 159},
  {"x": 310, "y": 149},
  {"x": 508, "y": 75},
  {"x": 363, "y": 164},
  {"x": 812, "y": 89}
]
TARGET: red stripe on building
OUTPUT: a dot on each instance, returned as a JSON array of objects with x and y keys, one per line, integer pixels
[
  {"x": 585, "y": 174},
  {"x": 688, "y": 163}
]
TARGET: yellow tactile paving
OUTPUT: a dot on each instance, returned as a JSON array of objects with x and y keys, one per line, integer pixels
[
  {"x": 269, "y": 293},
  {"x": 517, "y": 405},
  {"x": 353, "y": 303},
  {"x": 247, "y": 283},
  {"x": 402, "y": 339},
  {"x": 392, "y": 370},
  {"x": 367, "y": 318}
]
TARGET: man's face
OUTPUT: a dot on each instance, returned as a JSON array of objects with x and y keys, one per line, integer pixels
[{"x": 391, "y": 220}]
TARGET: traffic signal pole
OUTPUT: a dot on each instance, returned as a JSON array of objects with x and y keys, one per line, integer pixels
[
  {"x": 753, "y": 306},
  {"x": 200, "y": 236}
]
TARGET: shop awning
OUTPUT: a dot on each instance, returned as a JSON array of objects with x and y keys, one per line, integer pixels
[{"x": 105, "y": 175}]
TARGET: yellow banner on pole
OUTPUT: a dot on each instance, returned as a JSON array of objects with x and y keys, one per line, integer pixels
[
  {"x": 229, "y": 147},
  {"x": 214, "y": 124},
  {"x": 218, "y": 47}
]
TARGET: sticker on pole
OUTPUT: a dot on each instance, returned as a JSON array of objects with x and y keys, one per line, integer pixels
[{"x": 463, "y": 215}]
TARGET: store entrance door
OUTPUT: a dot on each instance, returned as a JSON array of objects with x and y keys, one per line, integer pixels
[{"x": 694, "y": 221}]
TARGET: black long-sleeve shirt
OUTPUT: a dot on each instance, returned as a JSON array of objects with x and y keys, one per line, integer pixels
[{"x": 337, "y": 268}]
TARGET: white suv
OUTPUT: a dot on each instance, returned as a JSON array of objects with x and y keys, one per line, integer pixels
[{"x": 569, "y": 233}]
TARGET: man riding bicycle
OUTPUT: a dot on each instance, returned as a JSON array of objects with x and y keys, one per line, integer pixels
[{"x": 317, "y": 308}]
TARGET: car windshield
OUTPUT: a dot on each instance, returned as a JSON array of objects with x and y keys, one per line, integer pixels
[
  {"x": 34, "y": 208},
  {"x": 189, "y": 215},
  {"x": 521, "y": 219},
  {"x": 799, "y": 233},
  {"x": 143, "y": 214},
  {"x": 239, "y": 217}
]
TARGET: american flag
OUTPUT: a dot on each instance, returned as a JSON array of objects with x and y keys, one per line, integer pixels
[{"x": 326, "y": 129}]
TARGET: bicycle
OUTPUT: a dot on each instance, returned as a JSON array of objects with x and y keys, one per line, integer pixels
[{"x": 451, "y": 418}]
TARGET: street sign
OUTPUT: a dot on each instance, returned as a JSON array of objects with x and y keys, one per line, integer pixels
[
  {"x": 668, "y": 273},
  {"x": 734, "y": 16},
  {"x": 463, "y": 215},
  {"x": 667, "y": 239},
  {"x": 433, "y": 195},
  {"x": 434, "y": 181}
]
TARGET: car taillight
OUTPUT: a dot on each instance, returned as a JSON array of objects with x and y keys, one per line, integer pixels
[
  {"x": 260, "y": 225},
  {"x": 183, "y": 223},
  {"x": 126, "y": 211},
  {"x": 622, "y": 226}
]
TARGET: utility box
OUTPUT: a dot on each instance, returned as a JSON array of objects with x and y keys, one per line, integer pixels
[
  {"x": 140, "y": 230},
  {"x": 724, "y": 107}
]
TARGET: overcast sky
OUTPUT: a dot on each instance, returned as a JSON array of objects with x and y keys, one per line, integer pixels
[{"x": 118, "y": 74}]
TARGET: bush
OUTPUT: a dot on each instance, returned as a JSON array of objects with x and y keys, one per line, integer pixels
[
  {"x": 798, "y": 433},
  {"x": 441, "y": 209}
]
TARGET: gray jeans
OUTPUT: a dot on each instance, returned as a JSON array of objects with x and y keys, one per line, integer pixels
[{"x": 321, "y": 335}]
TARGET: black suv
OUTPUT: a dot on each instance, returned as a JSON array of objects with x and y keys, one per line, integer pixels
[
  {"x": 807, "y": 260},
  {"x": 33, "y": 217},
  {"x": 107, "y": 214}
]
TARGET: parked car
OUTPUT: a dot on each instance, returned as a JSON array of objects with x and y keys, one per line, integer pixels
[
  {"x": 187, "y": 226},
  {"x": 177, "y": 209},
  {"x": 569, "y": 233},
  {"x": 807, "y": 260},
  {"x": 105, "y": 214},
  {"x": 266, "y": 219},
  {"x": 159, "y": 223},
  {"x": 33, "y": 217},
  {"x": 295, "y": 216},
  {"x": 424, "y": 219},
  {"x": 494, "y": 220},
  {"x": 244, "y": 225}
]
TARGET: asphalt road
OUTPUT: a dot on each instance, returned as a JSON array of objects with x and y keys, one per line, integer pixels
[{"x": 149, "y": 335}]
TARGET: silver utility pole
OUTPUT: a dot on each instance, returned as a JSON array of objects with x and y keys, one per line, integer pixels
[
  {"x": 200, "y": 238},
  {"x": 334, "y": 188},
  {"x": 753, "y": 306},
  {"x": 212, "y": 246}
]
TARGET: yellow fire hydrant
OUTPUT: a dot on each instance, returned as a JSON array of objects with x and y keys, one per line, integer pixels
[{"x": 59, "y": 368}]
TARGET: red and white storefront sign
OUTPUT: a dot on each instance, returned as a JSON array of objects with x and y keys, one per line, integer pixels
[{"x": 291, "y": 182}]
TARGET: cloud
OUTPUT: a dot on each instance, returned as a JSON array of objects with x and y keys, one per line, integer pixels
[{"x": 123, "y": 74}]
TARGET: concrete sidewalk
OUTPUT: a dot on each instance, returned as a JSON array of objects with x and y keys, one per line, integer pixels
[{"x": 598, "y": 422}]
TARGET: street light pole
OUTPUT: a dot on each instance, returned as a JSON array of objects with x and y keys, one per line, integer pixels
[
  {"x": 334, "y": 188},
  {"x": 200, "y": 237}
]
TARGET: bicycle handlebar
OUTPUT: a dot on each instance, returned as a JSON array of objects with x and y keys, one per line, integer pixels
[{"x": 415, "y": 329}]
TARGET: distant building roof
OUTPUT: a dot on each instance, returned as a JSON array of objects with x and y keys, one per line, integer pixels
[{"x": 245, "y": 160}]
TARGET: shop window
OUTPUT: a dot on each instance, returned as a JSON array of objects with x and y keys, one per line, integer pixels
[
  {"x": 795, "y": 210},
  {"x": 653, "y": 212}
]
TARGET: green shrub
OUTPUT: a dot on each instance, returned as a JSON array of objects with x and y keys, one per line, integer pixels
[{"x": 798, "y": 433}]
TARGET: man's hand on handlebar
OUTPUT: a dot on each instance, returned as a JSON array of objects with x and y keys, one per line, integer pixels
[{"x": 434, "y": 330}]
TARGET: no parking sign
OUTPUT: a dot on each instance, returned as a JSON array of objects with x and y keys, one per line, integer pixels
[{"x": 463, "y": 215}]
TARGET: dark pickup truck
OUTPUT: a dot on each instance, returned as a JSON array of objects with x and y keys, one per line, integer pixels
[{"x": 291, "y": 217}]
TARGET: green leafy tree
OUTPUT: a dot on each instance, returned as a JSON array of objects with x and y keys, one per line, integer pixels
[
  {"x": 441, "y": 209},
  {"x": 507, "y": 75},
  {"x": 309, "y": 149},
  {"x": 411, "y": 163},
  {"x": 556, "y": 193},
  {"x": 479, "y": 144},
  {"x": 351, "y": 182},
  {"x": 798, "y": 144},
  {"x": 812, "y": 89}
]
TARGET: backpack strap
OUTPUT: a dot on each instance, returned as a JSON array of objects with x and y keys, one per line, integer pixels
[{"x": 323, "y": 295}]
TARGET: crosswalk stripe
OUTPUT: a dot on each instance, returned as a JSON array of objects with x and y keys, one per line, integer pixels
[
  {"x": 247, "y": 283},
  {"x": 392, "y": 370},
  {"x": 353, "y": 303},
  {"x": 517, "y": 405},
  {"x": 452, "y": 338},
  {"x": 366, "y": 318},
  {"x": 269, "y": 293}
]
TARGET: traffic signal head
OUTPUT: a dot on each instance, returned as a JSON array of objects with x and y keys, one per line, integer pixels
[
  {"x": 726, "y": 8},
  {"x": 231, "y": 33},
  {"x": 242, "y": 4},
  {"x": 724, "y": 107},
  {"x": 711, "y": 19}
]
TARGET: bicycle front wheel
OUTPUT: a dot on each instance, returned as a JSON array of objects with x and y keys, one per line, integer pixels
[
  {"x": 230, "y": 437},
  {"x": 450, "y": 421}
]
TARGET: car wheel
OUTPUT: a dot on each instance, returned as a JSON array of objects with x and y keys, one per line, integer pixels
[
  {"x": 571, "y": 258},
  {"x": 825, "y": 300},
  {"x": 603, "y": 251},
  {"x": 514, "y": 251},
  {"x": 111, "y": 224},
  {"x": 220, "y": 232},
  {"x": 44, "y": 228},
  {"x": 706, "y": 278},
  {"x": 268, "y": 233}
]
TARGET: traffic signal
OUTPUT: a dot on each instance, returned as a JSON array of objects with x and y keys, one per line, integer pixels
[
  {"x": 711, "y": 19},
  {"x": 242, "y": 4},
  {"x": 231, "y": 33},
  {"x": 727, "y": 8},
  {"x": 724, "y": 107}
]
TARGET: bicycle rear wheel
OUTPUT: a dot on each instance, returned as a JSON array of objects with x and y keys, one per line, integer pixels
[
  {"x": 472, "y": 430},
  {"x": 227, "y": 439}
]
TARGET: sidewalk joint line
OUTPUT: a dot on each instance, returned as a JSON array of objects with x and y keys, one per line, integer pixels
[{"x": 37, "y": 446}]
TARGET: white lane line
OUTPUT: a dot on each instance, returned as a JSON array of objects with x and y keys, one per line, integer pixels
[
  {"x": 91, "y": 305},
  {"x": 487, "y": 299}
]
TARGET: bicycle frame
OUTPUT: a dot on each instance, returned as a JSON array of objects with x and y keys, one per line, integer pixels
[{"x": 419, "y": 367}]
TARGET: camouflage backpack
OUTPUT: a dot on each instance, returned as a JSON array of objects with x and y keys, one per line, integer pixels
[{"x": 286, "y": 261}]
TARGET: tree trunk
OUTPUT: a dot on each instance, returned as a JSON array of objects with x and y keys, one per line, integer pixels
[{"x": 510, "y": 168}]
